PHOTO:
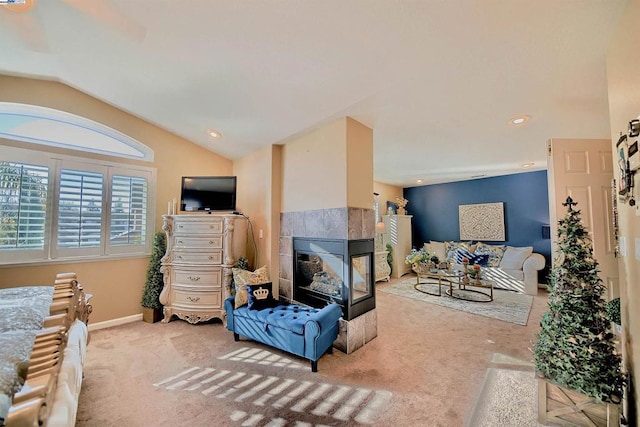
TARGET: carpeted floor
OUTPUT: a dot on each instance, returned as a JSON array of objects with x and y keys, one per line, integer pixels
[
  {"x": 426, "y": 367},
  {"x": 508, "y": 306}
]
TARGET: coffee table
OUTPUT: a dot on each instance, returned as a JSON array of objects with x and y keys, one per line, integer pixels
[
  {"x": 448, "y": 277},
  {"x": 466, "y": 281}
]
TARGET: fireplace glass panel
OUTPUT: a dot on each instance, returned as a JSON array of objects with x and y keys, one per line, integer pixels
[
  {"x": 321, "y": 273},
  {"x": 361, "y": 274}
]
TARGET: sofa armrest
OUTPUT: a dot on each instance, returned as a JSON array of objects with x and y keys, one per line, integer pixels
[
  {"x": 316, "y": 337},
  {"x": 327, "y": 316},
  {"x": 534, "y": 263},
  {"x": 229, "y": 305}
]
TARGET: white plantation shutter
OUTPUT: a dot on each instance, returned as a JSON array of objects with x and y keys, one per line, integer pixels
[
  {"x": 23, "y": 205},
  {"x": 58, "y": 207},
  {"x": 128, "y": 225},
  {"x": 80, "y": 209}
]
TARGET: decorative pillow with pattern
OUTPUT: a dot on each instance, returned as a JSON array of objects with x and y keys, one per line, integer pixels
[
  {"x": 472, "y": 257},
  {"x": 242, "y": 278},
  {"x": 261, "y": 296},
  {"x": 451, "y": 249},
  {"x": 494, "y": 252}
]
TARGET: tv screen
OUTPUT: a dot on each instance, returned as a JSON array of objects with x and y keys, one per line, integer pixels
[{"x": 208, "y": 193}]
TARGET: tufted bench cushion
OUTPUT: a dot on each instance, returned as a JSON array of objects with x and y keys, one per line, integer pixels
[{"x": 301, "y": 330}]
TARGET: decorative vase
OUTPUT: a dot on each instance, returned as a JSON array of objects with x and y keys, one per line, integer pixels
[
  {"x": 151, "y": 315},
  {"x": 402, "y": 211}
]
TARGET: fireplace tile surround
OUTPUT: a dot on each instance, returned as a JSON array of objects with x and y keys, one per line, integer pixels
[{"x": 333, "y": 223}]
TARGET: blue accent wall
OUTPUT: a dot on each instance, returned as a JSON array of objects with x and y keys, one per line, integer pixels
[{"x": 526, "y": 209}]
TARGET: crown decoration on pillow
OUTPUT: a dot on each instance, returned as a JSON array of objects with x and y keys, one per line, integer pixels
[{"x": 261, "y": 293}]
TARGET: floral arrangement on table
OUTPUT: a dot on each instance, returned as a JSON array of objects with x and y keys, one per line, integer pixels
[{"x": 422, "y": 260}]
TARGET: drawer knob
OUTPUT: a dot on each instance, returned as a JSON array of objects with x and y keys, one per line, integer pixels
[
  {"x": 194, "y": 278},
  {"x": 192, "y": 299},
  {"x": 181, "y": 226},
  {"x": 180, "y": 257},
  {"x": 210, "y": 257},
  {"x": 179, "y": 241},
  {"x": 211, "y": 242}
]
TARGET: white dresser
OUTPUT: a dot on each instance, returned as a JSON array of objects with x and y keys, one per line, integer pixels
[
  {"x": 398, "y": 233},
  {"x": 383, "y": 271},
  {"x": 201, "y": 250}
]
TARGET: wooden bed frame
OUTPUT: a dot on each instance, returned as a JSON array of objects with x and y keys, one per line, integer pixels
[{"x": 43, "y": 390}]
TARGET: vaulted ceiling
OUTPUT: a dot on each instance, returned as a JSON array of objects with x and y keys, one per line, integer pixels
[{"x": 437, "y": 81}]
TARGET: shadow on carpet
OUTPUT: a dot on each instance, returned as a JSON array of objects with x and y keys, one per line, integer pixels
[{"x": 507, "y": 306}]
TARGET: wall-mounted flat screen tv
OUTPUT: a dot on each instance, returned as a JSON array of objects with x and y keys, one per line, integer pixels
[{"x": 208, "y": 193}]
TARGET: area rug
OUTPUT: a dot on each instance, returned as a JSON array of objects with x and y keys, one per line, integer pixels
[
  {"x": 508, "y": 398},
  {"x": 507, "y": 306}
]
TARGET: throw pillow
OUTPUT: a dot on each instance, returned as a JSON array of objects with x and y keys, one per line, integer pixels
[
  {"x": 261, "y": 296},
  {"x": 472, "y": 257},
  {"x": 451, "y": 249},
  {"x": 438, "y": 249},
  {"x": 242, "y": 278},
  {"x": 514, "y": 258},
  {"x": 494, "y": 253}
]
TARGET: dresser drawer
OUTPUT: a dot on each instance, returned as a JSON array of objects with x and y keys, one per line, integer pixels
[
  {"x": 197, "y": 278},
  {"x": 214, "y": 226},
  {"x": 213, "y": 242},
  {"x": 208, "y": 299},
  {"x": 201, "y": 258}
]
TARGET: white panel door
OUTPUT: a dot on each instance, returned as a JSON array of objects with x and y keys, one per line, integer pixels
[{"x": 583, "y": 169}]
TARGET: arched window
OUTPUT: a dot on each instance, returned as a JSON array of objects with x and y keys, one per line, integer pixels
[
  {"x": 57, "y": 207},
  {"x": 41, "y": 125}
]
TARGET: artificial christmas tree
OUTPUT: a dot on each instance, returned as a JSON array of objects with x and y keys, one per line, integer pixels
[{"x": 575, "y": 347}]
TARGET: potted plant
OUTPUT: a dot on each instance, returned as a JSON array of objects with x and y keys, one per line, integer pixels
[
  {"x": 575, "y": 355},
  {"x": 151, "y": 307}
]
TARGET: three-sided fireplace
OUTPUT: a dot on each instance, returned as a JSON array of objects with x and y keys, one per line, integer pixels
[{"x": 334, "y": 270}]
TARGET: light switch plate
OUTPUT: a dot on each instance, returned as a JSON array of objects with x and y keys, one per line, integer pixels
[{"x": 638, "y": 248}]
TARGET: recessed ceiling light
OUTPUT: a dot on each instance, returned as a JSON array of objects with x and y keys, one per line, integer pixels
[
  {"x": 214, "y": 133},
  {"x": 419, "y": 181},
  {"x": 518, "y": 120},
  {"x": 528, "y": 165}
]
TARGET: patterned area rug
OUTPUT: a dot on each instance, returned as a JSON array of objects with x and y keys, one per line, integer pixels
[{"x": 507, "y": 306}]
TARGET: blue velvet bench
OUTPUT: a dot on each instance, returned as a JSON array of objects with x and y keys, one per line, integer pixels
[{"x": 304, "y": 331}]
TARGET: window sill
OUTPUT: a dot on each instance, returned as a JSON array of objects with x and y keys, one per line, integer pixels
[{"x": 74, "y": 260}]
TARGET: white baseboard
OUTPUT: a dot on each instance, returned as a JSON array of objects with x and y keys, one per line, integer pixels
[{"x": 115, "y": 322}]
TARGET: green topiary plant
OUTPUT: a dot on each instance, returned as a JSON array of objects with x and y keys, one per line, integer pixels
[
  {"x": 613, "y": 311},
  {"x": 155, "y": 282},
  {"x": 575, "y": 346}
]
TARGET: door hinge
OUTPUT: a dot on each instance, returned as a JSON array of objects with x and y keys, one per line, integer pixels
[{"x": 549, "y": 148}]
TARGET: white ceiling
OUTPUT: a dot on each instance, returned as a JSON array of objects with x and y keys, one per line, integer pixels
[{"x": 437, "y": 80}]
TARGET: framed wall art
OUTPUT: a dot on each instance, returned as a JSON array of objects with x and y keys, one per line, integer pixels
[{"x": 483, "y": 222}]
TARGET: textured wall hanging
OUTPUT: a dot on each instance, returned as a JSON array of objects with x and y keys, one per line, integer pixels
[{"x": 484, "y": 221}]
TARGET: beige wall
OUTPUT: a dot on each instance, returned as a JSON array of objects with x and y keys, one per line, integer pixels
[
  {"x": 116, "y": 285},
  {"x": 259, "y": 199},
  {"x": 388, "y": 193},
  {"x": 314, "y": 172},
  {"x": 624, "y": 105},
  {"x": 359, "y": 165}
]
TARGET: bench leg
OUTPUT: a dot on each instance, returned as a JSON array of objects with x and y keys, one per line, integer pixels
[
  {"x": 236, "y": 337},
  {"x": 314, "y": 366}
]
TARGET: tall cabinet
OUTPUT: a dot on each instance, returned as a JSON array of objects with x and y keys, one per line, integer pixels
[
  {"x": 201, "y": 250},
  {"x": 398, "y": 233}
]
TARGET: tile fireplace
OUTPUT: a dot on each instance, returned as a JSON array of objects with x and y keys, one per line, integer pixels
[{"x": 334, "y": 270}]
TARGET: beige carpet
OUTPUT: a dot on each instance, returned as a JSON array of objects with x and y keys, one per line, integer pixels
[{"x": 426, "y": 367}]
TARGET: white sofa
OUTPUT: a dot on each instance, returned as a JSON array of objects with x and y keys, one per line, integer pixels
[{"x": 521, "y": 263}]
